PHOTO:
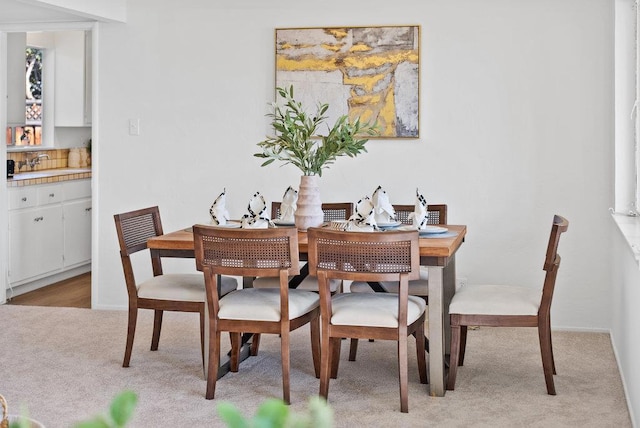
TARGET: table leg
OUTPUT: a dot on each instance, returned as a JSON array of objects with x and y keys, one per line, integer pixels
[{"x": 441, "y": 290}]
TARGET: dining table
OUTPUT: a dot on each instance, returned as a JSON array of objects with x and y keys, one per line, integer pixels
[{"x": 437, "y": 253}]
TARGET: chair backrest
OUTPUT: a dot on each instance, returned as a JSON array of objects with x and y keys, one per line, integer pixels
[
  {"x": 364, "y": 256},
  {"x": 134, "y": 228},
  {"x": 437, "y": 213},
  {"x": 331, "y": 210},
  {"x": 552, "y": 263},
  {"x": 247, "y": 252}
]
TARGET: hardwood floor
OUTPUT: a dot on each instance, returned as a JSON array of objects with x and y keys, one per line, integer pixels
[{"x": 71, "y": 293}]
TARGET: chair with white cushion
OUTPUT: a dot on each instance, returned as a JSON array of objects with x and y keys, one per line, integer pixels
[
  {"x": 332, "y": 211},
  {"x": 509, "y": 306},
  {"x": 254, "y": 252},
  {"x": 162, "y": 292},
  {"x": 368, "y": 256},
  {"x": 436, "y": 214}
]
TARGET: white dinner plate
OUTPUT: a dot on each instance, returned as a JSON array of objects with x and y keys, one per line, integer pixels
[
  {"x": 433, "y": 229},
  {"x": 279, "y": 222},
  {"x": 233, "y": 225},
  {"x": 389, "y": 225}
]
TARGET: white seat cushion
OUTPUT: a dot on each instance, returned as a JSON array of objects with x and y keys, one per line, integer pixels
[
  {"x": 496, "y": 300},
  {"x": 373, "y": 309},
  {"x": 187, "y": 287},
  {"x": 264, "y": 304},
  {"x": 310, "y": 283},
  {"x": 418, "y": 287}
]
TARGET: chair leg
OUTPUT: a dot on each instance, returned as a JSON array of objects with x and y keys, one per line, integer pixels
[
  {"x": 463, "y": 344},
  {"x": 326, "y": 355},
  {"x": 214, "y": 363},
  {"x": 335, "y": 357},
  {"x": 353, "y": 349},
  {"x": 157, "y": 326},
  {"x": 131, "y": 331},
  {"x": 314, "y": 325},
  {"x": 553, "y": 361},
  {"x": 403, "y": 373},
  {"x": 255, "y": 344},
  {"x": 202, "y": 318},
  {"x": 456, "y": 338},
  {"x": 235, "y": 351},
  {"x": 422, "y": 360},
  {"x": 544, "y": 333},
  {"x": 286, "y": 364}
]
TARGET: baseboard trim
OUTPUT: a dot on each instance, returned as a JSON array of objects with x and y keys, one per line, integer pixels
[{"x": 627, "y": 397}]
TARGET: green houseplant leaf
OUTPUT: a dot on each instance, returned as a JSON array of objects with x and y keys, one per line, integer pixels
[{"x": 297, "y": 142}]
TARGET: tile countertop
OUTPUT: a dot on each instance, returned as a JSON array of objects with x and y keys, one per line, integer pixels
[{"x": 48, "y": 176}]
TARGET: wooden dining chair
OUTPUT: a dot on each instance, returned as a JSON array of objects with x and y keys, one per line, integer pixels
[
  {"x": 182, "y": 292},
  {"x": 254, "y": 252},
  {"x": 368, "y": 256},
  {"x": 437, "y": 214},
  {"x": 509, "y": 306},
  {"x": 331, "y": 210}
]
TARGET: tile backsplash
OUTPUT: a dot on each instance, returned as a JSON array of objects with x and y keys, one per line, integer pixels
[{"x": 58, "y": 158}]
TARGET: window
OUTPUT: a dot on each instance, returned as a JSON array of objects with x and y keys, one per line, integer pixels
[
  {"x": 31, "y": 133},
  {"x": 627, "y": 122}
]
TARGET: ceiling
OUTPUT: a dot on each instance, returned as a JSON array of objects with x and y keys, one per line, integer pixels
[{"x": 16, "y": 12}]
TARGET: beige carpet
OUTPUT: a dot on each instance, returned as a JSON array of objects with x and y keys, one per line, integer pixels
[{"x": 64, "y": 365}]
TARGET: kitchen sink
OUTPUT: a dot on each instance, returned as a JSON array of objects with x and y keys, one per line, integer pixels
[{"x": 49, "y": 173}]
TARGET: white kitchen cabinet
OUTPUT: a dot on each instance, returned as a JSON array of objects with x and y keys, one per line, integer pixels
[
  {"x": 35, "y": 243},
  {"x": 49, "y": 229},
  {"x": 16, "y": 45},
  {"x": 77, "y": 232},
  {"x": 72, "y": 103}
]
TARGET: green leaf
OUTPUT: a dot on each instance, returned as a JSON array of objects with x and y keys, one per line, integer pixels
[
  {"x": 122, "y": 407},
  {"x": 231, "y": 416},
  {"x": 97, "y": 422},
  {"x": 271, "y": 413}
]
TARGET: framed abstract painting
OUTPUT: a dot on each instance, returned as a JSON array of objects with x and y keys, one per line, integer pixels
[{"x": 368, "y": 72}]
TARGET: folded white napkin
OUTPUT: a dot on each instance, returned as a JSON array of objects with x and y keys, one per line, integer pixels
[
  {"x": 420, "y": 216},
  {"x": 218, "y": 210},
  {"x": 363, "y": 220},
  {"x": 255, "y": 219},
  {"x": 289, "y": 205},
  {"x": 383, "y": 210}
]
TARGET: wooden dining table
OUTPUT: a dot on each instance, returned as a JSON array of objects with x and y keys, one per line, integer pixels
[{"x": 437, "y": 253}]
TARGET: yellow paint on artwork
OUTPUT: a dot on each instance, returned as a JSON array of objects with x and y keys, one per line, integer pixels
[
  {"x": 360, "y": 48},
  {"x": 365, "y": 99},
  {"x": 387, "y": 113},
  {"x": 288, "y": 46},
  {"x": 332, "y": 48},
  {"x": 367, "y": 82},
  {"x": 372, "y": 61},
  {"x": 306, "y": 64},
  {"x": 338, "y": 33}
]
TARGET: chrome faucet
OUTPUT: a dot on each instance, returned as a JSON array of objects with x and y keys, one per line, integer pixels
[{"x": 33, "y": 161}]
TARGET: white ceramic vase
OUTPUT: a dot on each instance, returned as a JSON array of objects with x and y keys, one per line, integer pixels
[{"x": 309, "y": 207}]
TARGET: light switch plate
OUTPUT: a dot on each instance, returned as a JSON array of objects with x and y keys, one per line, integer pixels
[{"x": 134, "y": 126}]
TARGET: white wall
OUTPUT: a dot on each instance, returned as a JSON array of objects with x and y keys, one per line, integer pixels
[
  {"x": 625, "y": 335},
  {"x": 516, "y": 125}
]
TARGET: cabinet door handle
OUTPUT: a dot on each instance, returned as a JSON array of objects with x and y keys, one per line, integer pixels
[
  {"x": 52, "y": 195},
  {"x": 24, "y": 199},
  {"x": 88, "y": 209},
  {"x": 38, "y": 218}
]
